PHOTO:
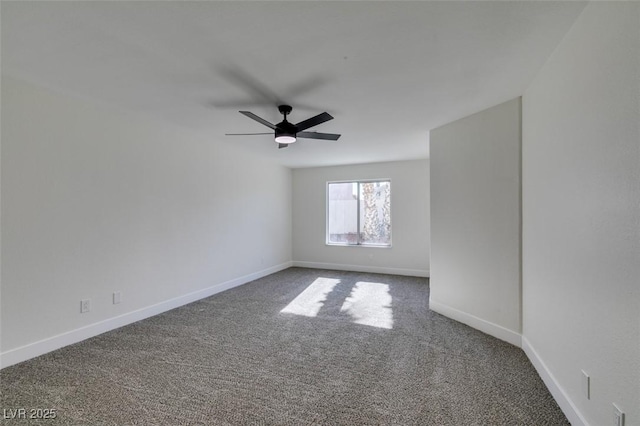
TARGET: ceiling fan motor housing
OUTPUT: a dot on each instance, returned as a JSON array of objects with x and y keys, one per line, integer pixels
[{"x": 284, "y": 131}]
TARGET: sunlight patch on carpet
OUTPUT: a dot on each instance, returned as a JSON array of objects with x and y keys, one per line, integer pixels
[
  {"x": 310, "y": 301},
  {"x": 370, "y": 304}
]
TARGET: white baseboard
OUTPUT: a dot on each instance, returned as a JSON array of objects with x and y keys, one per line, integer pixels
[
  {"x": 363, "y": 268},
  {"x": 509, "y": 336},
  {"x": 485, "y": 326},
  {"x": 41, "y": 347},
  {"x": 44, "y": 346},
  {"x": 567, "y": 407}
]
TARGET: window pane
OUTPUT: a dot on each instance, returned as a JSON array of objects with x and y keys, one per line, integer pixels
[
  {"x": 343, "y": 213},
  {"x": 375, "y": 213}
]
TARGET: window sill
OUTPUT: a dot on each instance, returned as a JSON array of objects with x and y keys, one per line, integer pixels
[{"x": 359, "y": 245}]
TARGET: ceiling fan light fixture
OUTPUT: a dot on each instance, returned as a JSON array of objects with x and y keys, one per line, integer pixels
[{"x": 285, "y": 137}]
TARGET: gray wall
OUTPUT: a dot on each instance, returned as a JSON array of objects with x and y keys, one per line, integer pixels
[
  {"x": 95, "y": 201},
  {"x": 475, "y": 220},
  {"x": 581, "y": 213},
  {"x": 409, "y": 254},
  {"x": 580, "y": 217}
]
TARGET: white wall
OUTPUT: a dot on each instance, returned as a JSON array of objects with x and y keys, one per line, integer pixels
[
  {"x": 581, "y": 214},
  {"x": 475, "y": 220},
  {"x": 95, "y": 201},
  {"x": 409, "y": 254}
]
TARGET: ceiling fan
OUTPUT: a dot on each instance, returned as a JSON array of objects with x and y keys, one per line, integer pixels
[{"x": 286, "y": 133}]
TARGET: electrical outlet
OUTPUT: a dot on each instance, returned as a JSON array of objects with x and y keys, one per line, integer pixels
[
  {"x": 586, "y": 385},
  {"x": 117, "y": 297},
  {"x": 85, "y": 305},
  {"x": 618, "y": 416}
]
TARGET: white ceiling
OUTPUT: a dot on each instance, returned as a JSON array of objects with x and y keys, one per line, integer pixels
[{"x": 387, "y": 71}]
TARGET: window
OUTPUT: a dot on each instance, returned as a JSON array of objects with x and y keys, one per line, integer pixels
[{"x": 359, "y": 213}]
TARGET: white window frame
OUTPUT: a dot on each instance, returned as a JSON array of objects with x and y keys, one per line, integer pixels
[{"x": 359, "y": 243}]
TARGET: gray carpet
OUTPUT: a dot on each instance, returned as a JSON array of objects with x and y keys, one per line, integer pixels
[{"x": 371, "y": 353}]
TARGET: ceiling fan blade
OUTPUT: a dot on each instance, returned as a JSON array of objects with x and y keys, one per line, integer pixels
[
  {"x": 313, "y": 121},
  {"x": 258, "y": 119},
  {"x": 282, "y": 145},
  {"x": 247, "y": 82},
  {"x": 318, "y": 135},
  {"x": 247, "y": 134},
  {"x": 238, "y": 103},
  {"x": 305, "y": 86}
]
